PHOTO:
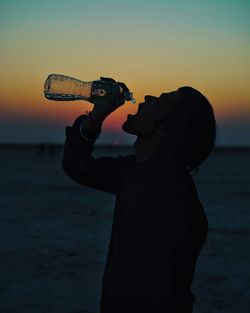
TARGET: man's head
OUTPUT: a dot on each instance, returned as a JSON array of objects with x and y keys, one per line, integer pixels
[{"x": 183, "y": 118}]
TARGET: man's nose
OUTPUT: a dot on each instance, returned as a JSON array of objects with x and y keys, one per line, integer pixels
[{"x": 150, "y": 98}]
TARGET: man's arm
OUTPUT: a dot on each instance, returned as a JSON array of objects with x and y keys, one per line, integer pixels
[{"x": 104, "y": 173}]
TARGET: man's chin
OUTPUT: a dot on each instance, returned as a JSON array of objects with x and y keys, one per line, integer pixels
[{"x": 126, "y": 128}]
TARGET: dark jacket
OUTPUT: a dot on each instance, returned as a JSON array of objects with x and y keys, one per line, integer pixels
[{"x": 159, "y": 225}]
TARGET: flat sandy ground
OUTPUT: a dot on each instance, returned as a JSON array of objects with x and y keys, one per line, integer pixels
[{"x": 54, "y": 235}]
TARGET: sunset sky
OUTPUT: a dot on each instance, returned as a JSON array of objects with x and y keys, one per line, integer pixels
[{"x": 153, "y": 46}]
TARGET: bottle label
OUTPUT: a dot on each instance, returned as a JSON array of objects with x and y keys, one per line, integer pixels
[{"x": 98, "y": 92}]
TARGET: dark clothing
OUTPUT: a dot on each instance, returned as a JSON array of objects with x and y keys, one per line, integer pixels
[{"x": 159, "y": 228}]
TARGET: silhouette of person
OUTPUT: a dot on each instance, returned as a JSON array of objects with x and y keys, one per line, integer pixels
[{"x": 159, "y": 225}]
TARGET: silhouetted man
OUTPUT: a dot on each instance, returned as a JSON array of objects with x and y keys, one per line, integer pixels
[{"x": 159, "y": 225}]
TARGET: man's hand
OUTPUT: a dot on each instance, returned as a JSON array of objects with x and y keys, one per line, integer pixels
[{"x": 103, "y": 108}]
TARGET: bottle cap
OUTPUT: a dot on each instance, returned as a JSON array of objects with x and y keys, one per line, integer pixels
[{"x": 128, "y": 96}]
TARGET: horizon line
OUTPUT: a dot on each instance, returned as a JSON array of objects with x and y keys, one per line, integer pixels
[{"x": 16, "y": 144}]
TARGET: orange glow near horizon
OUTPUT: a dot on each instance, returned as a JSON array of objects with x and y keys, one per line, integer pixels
[
  {"x": 24, "y": 96},
  {"x": 35, "y": 106}
]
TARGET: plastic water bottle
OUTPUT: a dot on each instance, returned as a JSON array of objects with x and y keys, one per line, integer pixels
[{"x": 65, "y": 88}]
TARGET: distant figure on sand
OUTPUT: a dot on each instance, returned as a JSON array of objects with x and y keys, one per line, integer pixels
[{"x": 159, "y": 225}]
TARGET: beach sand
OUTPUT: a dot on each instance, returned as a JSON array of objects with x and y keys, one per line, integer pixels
[{"x": 55, "y": 234}]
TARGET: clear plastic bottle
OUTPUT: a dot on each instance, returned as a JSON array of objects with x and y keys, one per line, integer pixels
[{"x": 64, "y": 88}]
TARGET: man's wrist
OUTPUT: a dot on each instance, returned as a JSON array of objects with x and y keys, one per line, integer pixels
[
  {"x": 96, "y": 118},
  {"x": 90, "y": 128},
  {"x": 91, "y": 123}
]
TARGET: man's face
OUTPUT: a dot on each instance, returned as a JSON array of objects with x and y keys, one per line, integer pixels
[{"x": 143, "y": 123}]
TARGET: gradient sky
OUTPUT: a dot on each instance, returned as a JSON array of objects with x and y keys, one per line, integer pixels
[{"x": 153, "y": 46}]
